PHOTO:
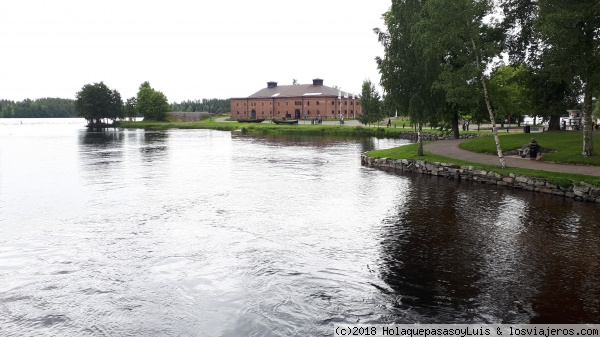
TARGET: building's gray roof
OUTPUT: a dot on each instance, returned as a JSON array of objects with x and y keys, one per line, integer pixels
[{"x": 299, "y": 90}]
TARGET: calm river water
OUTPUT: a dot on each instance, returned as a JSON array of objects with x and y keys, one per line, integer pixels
[{"x": 210, "y": 233}]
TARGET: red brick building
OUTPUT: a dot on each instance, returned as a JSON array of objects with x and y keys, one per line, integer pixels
[{"x": 296, "y": 101}]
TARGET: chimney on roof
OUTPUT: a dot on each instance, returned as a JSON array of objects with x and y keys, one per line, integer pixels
[
  {"x": 271, "y": 84},
  {"x": 317, "y": 81}
]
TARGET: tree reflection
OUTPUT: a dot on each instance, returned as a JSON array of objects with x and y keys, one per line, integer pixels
[
  {"x": 100, "y": 150},
  {"x": 461, "y": 252}
]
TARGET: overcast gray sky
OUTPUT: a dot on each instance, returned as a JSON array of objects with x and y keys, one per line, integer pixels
[{"x": 186, "y": 49}]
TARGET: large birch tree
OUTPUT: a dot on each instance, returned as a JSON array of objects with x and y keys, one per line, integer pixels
[{"x": 463, "y": 35}]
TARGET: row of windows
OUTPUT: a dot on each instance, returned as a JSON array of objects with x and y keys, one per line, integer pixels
[
  {"x": 308, "y": 112},
  {"x": 297, "y": 103}
]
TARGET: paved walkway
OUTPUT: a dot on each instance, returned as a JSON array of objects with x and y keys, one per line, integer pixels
[{"x": 451, "y": 149}]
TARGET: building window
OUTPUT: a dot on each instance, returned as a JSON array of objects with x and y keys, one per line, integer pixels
[
  {"x": 345, "y": 102},
  {"x": 317, "y": 102},
  {"x": 244, "y": 104},
  {"x": 332, "y": 102},
  {"x": 332, "y": 112},
  {"x": 237, "y": 104},
  {"x": 307, "y": 103},
  {"x": 351, "y": 103}
]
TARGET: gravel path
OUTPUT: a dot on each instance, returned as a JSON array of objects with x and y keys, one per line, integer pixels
[{"x": 451, "y": 149}]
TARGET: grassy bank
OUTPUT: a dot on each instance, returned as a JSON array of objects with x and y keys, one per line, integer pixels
[
  {"x": 556, "y": 178},
  {"x": 270, "y": 128},
  {"x": 566, "y": 145}
]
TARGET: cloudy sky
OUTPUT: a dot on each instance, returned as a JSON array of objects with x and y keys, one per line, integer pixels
[{"x": 186, "y": 49}]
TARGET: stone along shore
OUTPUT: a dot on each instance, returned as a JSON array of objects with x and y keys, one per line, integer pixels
[{"x": 576, "y": 190}]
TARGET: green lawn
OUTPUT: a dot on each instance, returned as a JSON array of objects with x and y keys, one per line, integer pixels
[
  {"x": 410, "y": 152},
  {"x": 566, "y": 144}
]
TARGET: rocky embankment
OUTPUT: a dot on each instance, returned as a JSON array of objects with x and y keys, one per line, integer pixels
[{"x": 576, "y": 190}]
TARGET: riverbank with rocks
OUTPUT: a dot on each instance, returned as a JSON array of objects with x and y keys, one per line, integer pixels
[{"x": 576, "y": 190}]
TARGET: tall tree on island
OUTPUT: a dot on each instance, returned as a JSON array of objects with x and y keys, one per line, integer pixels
[
  {"x": 151, "y": 103},
  {"x": 97, "y": 101},
  {"x": 370, "y": 102}
]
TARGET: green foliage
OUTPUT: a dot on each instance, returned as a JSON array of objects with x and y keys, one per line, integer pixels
[
  {"x": 407, "y": 73},
  {"x": 511, "y": 97},
  {"x": 96, "y": 101},
  {"x": 559, "y": 40},
  {"x": 212, "y": 105},
  {"x": 370, "y": 101},
  {"x": 152, "y": 104},
  {"x": 129, "y": 108},
  {"x": 39, "y": 108}
]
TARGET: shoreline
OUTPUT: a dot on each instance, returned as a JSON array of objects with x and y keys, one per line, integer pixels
[{"x": 577, "y": 190}]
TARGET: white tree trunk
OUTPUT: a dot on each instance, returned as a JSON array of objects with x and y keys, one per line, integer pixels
[{"x": 493, "y": 120}]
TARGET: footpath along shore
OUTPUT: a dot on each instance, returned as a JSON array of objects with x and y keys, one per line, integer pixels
[{"x": 451, "y": 149}]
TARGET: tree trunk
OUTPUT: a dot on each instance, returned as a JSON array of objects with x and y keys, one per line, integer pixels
[
  {"x": 455, "y": 131},
  {"x": 554, "y": 123},
  {"x": 588, "y": 146},
  {"x": 490, "y": 111},
  {"x": 493, "y": 120},
  {"x": 420, "y": 139}
]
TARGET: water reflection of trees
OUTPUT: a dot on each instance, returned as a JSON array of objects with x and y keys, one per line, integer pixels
[
  {"x": 429, "y": 259},
  {"x": 100, "y": 149},
  {"x": 567, "y": 254},
  {"x": 152, "y": 144},
  {"x": 459, "y": 252}
]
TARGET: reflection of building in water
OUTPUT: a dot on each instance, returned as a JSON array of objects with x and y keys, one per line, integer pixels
[{"x": 296, "y": 101}]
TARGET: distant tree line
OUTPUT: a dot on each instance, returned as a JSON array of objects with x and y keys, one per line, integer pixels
[
  {"x": 39, "y": 108},
  {"x": 213, "y": 105},
  {"x": 97, "y": 101}
]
